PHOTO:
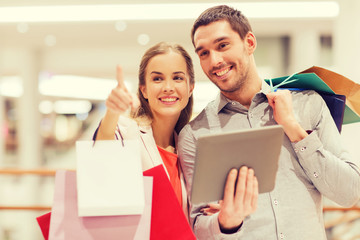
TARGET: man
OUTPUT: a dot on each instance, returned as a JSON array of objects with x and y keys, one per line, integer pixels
[{"x": 312, "y": 163}]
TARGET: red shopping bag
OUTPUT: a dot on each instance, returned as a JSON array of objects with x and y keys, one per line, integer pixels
[{"x": 168, "y": 220}]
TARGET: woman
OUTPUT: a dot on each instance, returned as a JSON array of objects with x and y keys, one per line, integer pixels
[
  {"x": 166, "y": 82},
  {"x": 162, "y": 108}
]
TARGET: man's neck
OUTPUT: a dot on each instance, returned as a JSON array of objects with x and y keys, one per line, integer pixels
[{"x": 246, "y": 93}]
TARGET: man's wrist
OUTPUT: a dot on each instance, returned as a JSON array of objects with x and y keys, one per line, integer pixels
[{"x": 230, "y": 230}]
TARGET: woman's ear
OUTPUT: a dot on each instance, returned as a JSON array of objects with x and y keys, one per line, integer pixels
[
  {"x": 143, "y": 91},
  {"x": 191, "y": 89},
  {"x": 250, "y": 42}
]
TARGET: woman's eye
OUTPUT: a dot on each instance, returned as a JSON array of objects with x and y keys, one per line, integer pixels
[
  {"x": 157, "y": 79},
  {"x": 178, "y": 78}
]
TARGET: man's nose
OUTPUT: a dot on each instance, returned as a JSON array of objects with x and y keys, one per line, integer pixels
[{"x": 216, "y": 58}]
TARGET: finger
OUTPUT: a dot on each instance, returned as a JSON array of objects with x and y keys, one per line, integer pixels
[
  {"x": 240, "y": 187},
  {"x": 256, "y": 194},
  {"x": 121, "y": 100},
  {"x": 114, "y": 107},
  {"x": 210, "y": 211},
  {"x": 120, "y": 97},
  {"x": 230, "y": 187},
  {"x": 249, "y": 189},
  {"x": 119, "y": 77},
  {"x": 270, "y": 98},
  {"x": 214, "y": 206},
  {"x": 135, "y": 104}
]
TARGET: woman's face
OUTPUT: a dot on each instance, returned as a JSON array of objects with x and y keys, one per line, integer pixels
[{"x": 167, "y": 85}]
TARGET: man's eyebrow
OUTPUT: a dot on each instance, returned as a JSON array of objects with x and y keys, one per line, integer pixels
[
  {"x": 219, "y": 39},
  {"x": 198, "y": 49}
]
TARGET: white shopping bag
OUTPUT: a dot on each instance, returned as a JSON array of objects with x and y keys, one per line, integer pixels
[{"x": 109, "y": 178}]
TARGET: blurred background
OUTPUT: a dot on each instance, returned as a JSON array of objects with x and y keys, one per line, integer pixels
[{"x": 57, "y": 66}]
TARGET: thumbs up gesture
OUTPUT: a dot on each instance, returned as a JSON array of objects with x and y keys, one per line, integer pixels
[{"x": 120, "y": 99}]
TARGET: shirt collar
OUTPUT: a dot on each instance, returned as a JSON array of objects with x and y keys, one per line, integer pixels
[{"x": 221, "y": 101}]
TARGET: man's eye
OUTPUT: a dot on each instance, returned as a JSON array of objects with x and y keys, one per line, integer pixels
[
  {"x": 222, "y": 45},
  {"x": 203, "y": 53}
]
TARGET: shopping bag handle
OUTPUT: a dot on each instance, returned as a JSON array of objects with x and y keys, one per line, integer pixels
[{"x": 118, "y": 131}]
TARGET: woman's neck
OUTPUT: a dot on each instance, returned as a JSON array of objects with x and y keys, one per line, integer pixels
[{"x": 163, "y": 131}]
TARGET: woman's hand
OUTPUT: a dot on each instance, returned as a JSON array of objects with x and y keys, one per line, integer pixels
[
  {"x": 120, "y": 99},
  {"x": 117, "y": 103}
]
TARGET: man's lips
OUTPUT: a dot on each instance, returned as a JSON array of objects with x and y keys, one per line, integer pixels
[{"x": 222, "y": 72}]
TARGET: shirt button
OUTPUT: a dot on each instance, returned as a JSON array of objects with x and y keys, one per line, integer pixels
[
  {"x": 276, "y": 202},
  {"x": 303, "y": 149},
  {"x": 316, "y": 174},
  {"x": 282, "y": 236},
  {"x": 233, "y": 103}
]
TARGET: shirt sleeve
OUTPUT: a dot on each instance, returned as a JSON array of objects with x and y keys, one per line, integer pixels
[
  {"x": 205, "y": 227},
  {"x": 325, "y": 161}
]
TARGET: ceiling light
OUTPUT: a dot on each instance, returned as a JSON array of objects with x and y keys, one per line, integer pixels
[
  {"x": 143, "y": 39},
  {"x": 50, "y": 40},
  {"x": 22, "y": 27},
  {"x": 11, "y": 86},
  {"x": 120, "y": 26},
  {"x": 45, "y": 107},
  {"x": 115, "y": 12},
  {"x": 78, "y": 87},
  {"x": 72, "y": 106}
]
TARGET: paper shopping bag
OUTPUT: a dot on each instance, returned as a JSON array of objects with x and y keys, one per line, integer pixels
[
  {"x": 337, "y": 106},
  {"x": 44, "y": 224},
  {"x": 326, "y": 81},
  {"x": 168, "y": 220},
  {"x": 109, "y": 178},
  {"x": 65, "y": 224},
  {"x": 343, "y": 86},
  {"x": 310, "y": 81}
]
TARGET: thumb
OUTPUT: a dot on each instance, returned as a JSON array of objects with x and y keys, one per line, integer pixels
[
  {"x": 271, "y": 98},
  {"x": 119, "y": 77}
]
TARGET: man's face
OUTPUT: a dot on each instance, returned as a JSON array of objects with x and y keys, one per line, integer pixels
[{"x": 224, "y": 56}]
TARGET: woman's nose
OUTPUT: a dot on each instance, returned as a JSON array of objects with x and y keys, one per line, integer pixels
[{"x": 168, "y": 86}]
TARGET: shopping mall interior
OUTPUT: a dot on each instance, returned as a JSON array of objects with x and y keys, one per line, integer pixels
[{"x": 58, "y": 65}]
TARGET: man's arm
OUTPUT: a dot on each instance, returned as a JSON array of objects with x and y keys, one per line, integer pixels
[
  {"x": 321, "y": 154},
  {"x": 239, "y": 201}
]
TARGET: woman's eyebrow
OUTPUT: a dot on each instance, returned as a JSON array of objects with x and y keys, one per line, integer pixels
[
  {"x": 179, "y": 72},
  {"x": 155, "y": 72}
]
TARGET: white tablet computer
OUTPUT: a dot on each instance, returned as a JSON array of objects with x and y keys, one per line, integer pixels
[{"x": 217, "y": 154}]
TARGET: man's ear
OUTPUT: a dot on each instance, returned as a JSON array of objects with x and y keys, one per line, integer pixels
[
  {"x": 143, "y": 91},
  {"x": 250, "y": 42}
]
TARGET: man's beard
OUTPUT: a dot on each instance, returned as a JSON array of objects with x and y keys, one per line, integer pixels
[{"x": 237, "y": 84}]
